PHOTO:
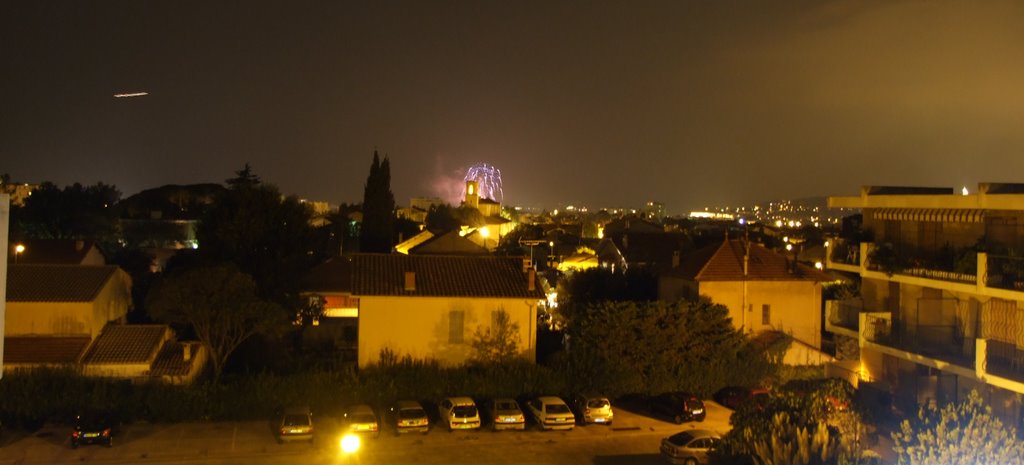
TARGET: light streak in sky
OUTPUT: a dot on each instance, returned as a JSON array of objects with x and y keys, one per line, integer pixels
[{"x": 131, "y": 94}]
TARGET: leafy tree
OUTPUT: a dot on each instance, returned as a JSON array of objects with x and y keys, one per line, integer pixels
[
  {"x": 959, "y": 434},
  {"x": 804, "y": 422},
  {"x": 74, "y": 212},
  {"x": 496, "y": 345},
  {"x": 265, "y": 234},
  {"x": 795, "y": 444},
  {"x": 652, "y": 347},
  {"x": 442, "y": 218},
  {"x": 219, "y": 304},
  {"x": 378, "y": 208},
  {"x": 587, "y": 287}
]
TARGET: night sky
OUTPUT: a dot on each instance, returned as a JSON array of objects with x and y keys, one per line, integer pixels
[{"x": 595, "y": 103}]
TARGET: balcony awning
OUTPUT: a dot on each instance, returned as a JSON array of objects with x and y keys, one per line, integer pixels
[{"x": 935, "y": 215}]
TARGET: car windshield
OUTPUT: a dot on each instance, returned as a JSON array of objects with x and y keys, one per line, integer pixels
[
  {"x": 694, "y": 404},
  {"x": 411, "y": 413},
  {"x": 680, "y": 439},
  {"x": 557, "y": 408},
  {"x": 464, "y": 411},
  {"x": 363, "y": 418},
  {"x": 506, "y": 406},
  {"x": 597, "y": 403},
  {"x": 296, "y": 420}
]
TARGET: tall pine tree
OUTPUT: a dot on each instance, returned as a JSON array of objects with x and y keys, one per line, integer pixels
[{"x": 378, "y": 208}]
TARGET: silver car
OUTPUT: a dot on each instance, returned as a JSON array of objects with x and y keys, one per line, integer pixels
[
  {"x": 689, "y": 447},
  {"x": 551, "y": 413},
  {"x": 593, "y": 409},
  {"x": 506, "y": 414}
]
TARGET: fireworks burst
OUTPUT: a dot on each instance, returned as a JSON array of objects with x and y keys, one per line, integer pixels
[{"x": 488, "y": 178}]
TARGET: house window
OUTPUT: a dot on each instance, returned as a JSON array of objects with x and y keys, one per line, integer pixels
[
  {"x": 766, "y": 314},
  {"x": 456, "y": 326}
]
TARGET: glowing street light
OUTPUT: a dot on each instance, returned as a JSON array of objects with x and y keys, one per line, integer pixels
[
  {"x": 18, "y": 250},
  {"x": 349, "y": 443}
]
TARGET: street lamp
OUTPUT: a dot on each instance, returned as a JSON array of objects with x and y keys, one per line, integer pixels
[{"x": 18, "y": 250}]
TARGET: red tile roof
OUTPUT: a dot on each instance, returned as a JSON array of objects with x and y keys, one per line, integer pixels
[
  {"x": 435, "y": 276},
  {"x": 724, "y": 262},
  {"x": 127, "y": 344},
  {"x": 171, "y": 360},
  {"x": 56, "y": 283},
  {"x": 43, "y": 349}
]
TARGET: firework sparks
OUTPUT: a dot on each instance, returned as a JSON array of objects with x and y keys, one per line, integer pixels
[{"x": 488, "y": 178}]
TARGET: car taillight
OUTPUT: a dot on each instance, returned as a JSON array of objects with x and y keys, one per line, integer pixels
[
  {"x": 373, "y": 428},
  {"x": 284, "y": 430},
  {"x": 106, "y": 432},
  {"x": 76, "y": 434},
  {"x": 310, "y": 428},
  {"x": 586, "y": 412},
  {"x": 521, "y": 418}
]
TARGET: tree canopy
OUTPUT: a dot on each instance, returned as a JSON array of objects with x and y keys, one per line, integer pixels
[
  {"x": 265, "y": 234},
  {"x": 74, "y": 212},
  {"x": 219, "y": 304},
  {"x": 655, "y": 347}
]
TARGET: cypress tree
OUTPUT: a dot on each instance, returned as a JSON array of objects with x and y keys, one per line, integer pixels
[{"x": 378, "y": 208}]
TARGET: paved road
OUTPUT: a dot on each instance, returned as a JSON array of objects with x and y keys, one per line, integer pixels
[{"x": 634, "y": 439}]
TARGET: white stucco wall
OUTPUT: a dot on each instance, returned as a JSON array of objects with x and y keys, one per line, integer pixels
[
  {"x": 419, "y": 326},
  {"x": 795, "y": 306}
]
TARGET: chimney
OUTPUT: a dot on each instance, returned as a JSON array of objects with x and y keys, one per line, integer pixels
[
  {"x": 79, "y": 245},
  {"x": 410, "y": 281},
  {"x": 531, "y": 280},
  {"x": 675, "y": 259},
  {"x": 186, "y": 350}
]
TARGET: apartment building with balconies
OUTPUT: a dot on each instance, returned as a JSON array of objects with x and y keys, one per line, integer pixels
[{"x": 940, "y": 310}]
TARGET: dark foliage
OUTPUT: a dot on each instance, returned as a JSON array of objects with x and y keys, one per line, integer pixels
[
  {"x": 74, "y": 212},
  {"x": 378, "y": 209}
]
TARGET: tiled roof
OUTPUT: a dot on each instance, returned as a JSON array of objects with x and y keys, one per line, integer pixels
[
  {"x": 43, "y": 349},
  {"x": 724, "y": 262},
  {"x": 334, "y": 275},
  {"x": 171, "y": 360},
  {"x": 439, "y": 276},
  {"x": 449, "y": 243},
  {"x": 127, "y": 344},
  {"x": 56, "y": 283}
]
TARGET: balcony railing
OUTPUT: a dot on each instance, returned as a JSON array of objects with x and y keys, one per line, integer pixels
[
  {"x": 1006, "y": 272},
  {"x": 1005, "y": 359},
  {"x": 846, "y": 315},
  {"x": 944, "y": 264},
  {"x": 844, "y": 251},
  {"x": 941, "y": 342}
]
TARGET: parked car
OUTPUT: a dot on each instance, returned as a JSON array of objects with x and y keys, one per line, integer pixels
[
  {"x": 295, "y": 424},
  {"x": 679, "y": 406},
  {"x": 733, "y": 397},
  {"x": 408, "y": 416},
  {"x": 360, "y": 419},
  {"x": 506, "y": 414},
  {"x": 551, "y": 412},
  {"x": 93, "y": 428},
  {"x": 593, "y": 409},
  {"x": 459, "y": 413},
  {"x": 689, "y": 447}
]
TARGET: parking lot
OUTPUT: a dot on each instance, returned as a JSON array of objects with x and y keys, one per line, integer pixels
[{"x": 633, "y": 438}]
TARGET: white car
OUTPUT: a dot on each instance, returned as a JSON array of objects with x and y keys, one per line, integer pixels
[
  {"x": 551, "y": 413},
  {"x": 689, "y": 447},
  {"x": 459, "y": 413}
]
